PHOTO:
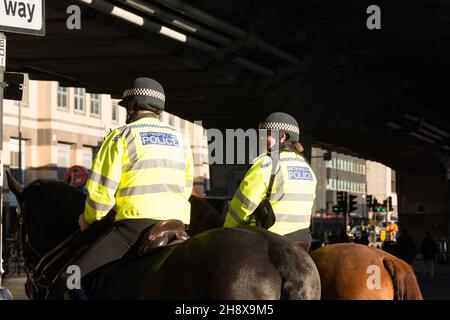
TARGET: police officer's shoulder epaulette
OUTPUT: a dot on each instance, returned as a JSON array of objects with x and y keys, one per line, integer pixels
[
  {"x": 119, "y": 132},
  {"x": 264, "y": 159}
]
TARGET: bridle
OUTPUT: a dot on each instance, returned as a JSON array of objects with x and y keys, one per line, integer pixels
[{"x": 23, "y": 234}]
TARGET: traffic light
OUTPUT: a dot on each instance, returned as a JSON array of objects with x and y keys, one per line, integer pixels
[
  {"x": 338, "y": 209},
  {"x": 390, "y": 207},
  {"x": 341, "y": 199},
  {"x": 327, "y": 156},
  {"x": 376, "y": 206},
  {"x": 384, "y": 206},
  {"x": 369, "y": 202},
  {"x": 352, "y": 203}
]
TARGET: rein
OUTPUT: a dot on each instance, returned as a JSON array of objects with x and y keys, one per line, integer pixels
[{"x": 23, "y": 230}]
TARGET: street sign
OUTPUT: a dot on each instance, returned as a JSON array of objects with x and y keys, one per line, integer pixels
[
  {"x": 23, "y": 16},
  {"x": 2, "y": 53}
]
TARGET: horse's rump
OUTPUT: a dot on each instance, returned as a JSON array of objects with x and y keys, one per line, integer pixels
[{"x": 403, "y": 279}]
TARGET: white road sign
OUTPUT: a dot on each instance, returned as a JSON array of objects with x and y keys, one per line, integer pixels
[{"x": 23, "y": 16}]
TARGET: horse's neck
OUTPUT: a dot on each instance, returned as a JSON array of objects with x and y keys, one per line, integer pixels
[{"x": 203, "y": 216}]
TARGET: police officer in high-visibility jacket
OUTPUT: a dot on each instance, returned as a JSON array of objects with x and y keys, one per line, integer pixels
[
  {"x": 294, "y": 188},
  {"x": 143, "y": 172}
]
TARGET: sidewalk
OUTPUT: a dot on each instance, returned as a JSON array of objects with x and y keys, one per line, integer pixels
[
  {"x": 439, "y": 287},
  {"x": 16, "y": 285}
]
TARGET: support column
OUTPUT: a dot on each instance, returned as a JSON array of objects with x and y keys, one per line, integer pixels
[
  {"x": 306, "y": 141},
  {"x": 423, "y": 203}
]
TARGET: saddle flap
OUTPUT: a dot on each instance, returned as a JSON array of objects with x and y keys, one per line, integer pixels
[{"x": 162, "y": 234}]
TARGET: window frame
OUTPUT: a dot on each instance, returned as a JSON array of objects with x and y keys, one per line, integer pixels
[
  {"x": 77, "y": 97},
  {"x": 97, "y": 100}
]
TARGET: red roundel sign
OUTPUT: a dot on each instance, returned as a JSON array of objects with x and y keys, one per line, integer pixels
[{"x": 76, "y": 176}]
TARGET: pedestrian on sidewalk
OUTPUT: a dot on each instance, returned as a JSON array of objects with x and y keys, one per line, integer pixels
[
  {"x": 428, "y": 251},
  {"x": 406, "y": 247}
]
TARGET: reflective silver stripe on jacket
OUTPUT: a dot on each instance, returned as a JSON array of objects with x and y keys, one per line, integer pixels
[
  {"x": 98, "y": 206},
  {"x": 298, "y": 197},
  {"x": 235, "y": 216},
  {"x": 279, "y": 181},
  {"x": 157, "y": 163},
  {"x": 104, "y": 181},
  {"x": 189, "y": 183},
  {"x": 293, "y": 217},
  {"x": 132, "y": 152},
  {"x": 149, "y": 189},
  {"x": 251, "y": 205}
]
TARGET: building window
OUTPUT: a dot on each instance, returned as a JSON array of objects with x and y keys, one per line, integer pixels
[
  {"x": 95, "y": 104},
  {"x": 115, "y": 112},
  {"x": 62, "y": 97},
  {"x": 14, "y": 158},
  {"x": 64, "y": 158},
  {"x": 79, "y": 99},
  {"x": 87, "y": 157},
  {"x": 89, "y": 154}
]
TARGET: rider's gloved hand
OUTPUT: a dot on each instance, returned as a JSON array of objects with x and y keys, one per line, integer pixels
[{"x": 82, "y": 222}]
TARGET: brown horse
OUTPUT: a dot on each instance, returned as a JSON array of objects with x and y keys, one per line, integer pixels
[{"x": 348, "y": 271}]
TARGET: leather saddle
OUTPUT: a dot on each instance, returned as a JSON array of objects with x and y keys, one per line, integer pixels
[
  {"x": 162, "y": 234},
  {"x": 49, "y": 269}
]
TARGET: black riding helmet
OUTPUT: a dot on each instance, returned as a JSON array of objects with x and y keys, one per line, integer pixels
[
  {"x": 146, "y": 93},
  {"x": 284, "y": 123}
]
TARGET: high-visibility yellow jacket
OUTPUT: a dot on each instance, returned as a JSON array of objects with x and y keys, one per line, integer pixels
[
  {"x": 292, "y": 194},
  {"x": 143, "y": 170}
]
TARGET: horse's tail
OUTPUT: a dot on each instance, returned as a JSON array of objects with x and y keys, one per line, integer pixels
[
  {"x": 403, "y": 279},
  {"x": 300, "y": 277}
]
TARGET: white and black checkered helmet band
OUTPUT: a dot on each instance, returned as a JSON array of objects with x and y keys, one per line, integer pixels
[
  {"x": 144, "y": 92},
  {"x": 280, "y": 126}
]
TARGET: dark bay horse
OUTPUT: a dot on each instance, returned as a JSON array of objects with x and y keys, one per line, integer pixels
[
  {"x": 348, "y": 271},
  {"x": 223, "y": 263}
]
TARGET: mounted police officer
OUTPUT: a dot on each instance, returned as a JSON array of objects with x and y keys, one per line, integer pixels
[
  {"x": 292, "y": 181},
  {"x": 143, "y": 172}
]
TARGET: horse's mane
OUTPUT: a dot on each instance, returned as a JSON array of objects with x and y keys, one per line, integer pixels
[
  {"x": 48, "y": 182},
  {"x": 51, "y": 188},
  {"x": 52, "y": 208},
  {"x": 203, "y": 215}
]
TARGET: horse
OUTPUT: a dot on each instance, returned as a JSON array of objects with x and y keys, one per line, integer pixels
[
  {"x": 348, "y": 271},
  {"x": 221, "y": 263}
]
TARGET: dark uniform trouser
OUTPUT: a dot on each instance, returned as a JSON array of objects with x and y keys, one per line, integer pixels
[
  {"x": 302, "y": 238},
  {"x": 112, "y": 245}
]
